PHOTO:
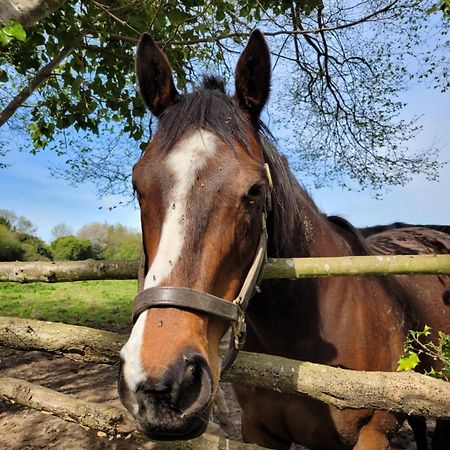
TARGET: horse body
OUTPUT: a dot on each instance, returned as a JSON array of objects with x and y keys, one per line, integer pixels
[
  {"x": 203, "y": 191},
  {"x": 353, "y": 322},
  {"x": 347, "y": 322}
]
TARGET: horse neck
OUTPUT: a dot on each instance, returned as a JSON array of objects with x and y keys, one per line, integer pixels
[{"x": 298, "y": 229}]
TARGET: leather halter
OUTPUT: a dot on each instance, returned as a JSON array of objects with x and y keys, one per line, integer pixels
[{"x": 192, "y": 300}]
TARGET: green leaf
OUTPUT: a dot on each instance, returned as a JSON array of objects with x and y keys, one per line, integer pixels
[
  {"x": 408, "y": 361},
  {"x": 3, "y": 76},
  {"x": 435, "y": 374},
  {"x": 15, "y": 30},
  {"x": 4, "y": 38}
]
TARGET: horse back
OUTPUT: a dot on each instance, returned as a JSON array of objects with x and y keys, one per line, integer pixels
[{"x": 428, "y": 295}]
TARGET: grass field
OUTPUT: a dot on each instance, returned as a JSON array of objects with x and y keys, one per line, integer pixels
[{"x": 100, "y": 304}]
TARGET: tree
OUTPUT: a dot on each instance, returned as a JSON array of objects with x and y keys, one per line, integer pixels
[
  {"x": 27, "y": 12},
  {"x": 70, "y": 248},
  {"x": 97, "y": 234},
  {"x": 60, "y": 230},
  {"x": 122, "y": 243},
  {"x": 10, "y": 249},
  {"x": 112, "y": 242},
  {"x": 17, "y": 223},
  {"x": 340, "y": 68},
  {"x": 34, "y": 248},
  {"x": 17, "y": 242},
  {"x": 441, "y": 5}
]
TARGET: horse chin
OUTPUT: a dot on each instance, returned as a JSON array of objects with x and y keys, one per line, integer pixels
[{"x": 175, "y": 430}]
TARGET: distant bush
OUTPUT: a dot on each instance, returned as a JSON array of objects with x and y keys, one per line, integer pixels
[
  {"x": 112, "y": 242},
  {"x": 35, "y": 249},
  {"x": 10, "y": 248},
  {"x": 69, "y": 248},
  {"x": 17, "y": 242},
  {"x": 94, "y": 240},
  {"x": 122, "y": 243}
]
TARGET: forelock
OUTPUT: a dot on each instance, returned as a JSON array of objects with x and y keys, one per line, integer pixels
[{"x": 207, "y": 107}]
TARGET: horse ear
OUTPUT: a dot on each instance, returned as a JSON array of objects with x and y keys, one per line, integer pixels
[
  {"x": 252, "y": 76},
  {"x": 154, "y": 76}
]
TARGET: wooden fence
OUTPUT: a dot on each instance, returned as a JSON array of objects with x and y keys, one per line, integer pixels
[
  {"x": 290, "y": 268},
  {"x": 409, "y": 393}
]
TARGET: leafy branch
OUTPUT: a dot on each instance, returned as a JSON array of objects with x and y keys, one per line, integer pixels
[
  {"x": 339, "y": 72},
  {"x": 13, "y": 30},
  {"x": 419, "y": 347}
]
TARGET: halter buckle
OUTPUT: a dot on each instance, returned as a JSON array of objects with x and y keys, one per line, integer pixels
[{"x": 239, "y": 327}]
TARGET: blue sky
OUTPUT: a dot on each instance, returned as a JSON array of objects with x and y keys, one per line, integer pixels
[{"x": 28, "y": 188}]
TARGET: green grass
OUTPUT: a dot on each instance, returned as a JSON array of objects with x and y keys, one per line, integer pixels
[{"x": 100, "y": 304}]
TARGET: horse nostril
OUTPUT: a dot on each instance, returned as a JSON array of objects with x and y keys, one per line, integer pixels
[{"x": 189, "y": 389}]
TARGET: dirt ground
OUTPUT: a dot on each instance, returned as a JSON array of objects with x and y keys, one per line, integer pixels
[{"x": 24, "y": 429}]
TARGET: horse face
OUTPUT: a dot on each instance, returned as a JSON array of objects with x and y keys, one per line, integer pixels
[{"x": 201, "y": 197}]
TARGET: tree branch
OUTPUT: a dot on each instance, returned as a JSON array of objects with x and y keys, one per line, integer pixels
[
  {"x": 212, "y": 38},
  {"x": 108, "y": 419},
  {"x": 37, "y": 80}
]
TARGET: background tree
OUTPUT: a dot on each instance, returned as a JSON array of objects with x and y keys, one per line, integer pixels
[
  {"x": 112, "y": 241},
  {"x": 17, "y": 240},
  {"x": 344, "y": 65},
  {"x": 60, "y": 230},
  {"x": 441, "y": 5},
  {"x": 17, "y": 223},
  {"x": 97, "y": 234},
  {"x": 10, "y": 250},
  {"x": 70, "y": 248},
  {"x": 122, "y": 243},
  {"x": 93, "y": 240},
  {"x": 34, "y": 248}
]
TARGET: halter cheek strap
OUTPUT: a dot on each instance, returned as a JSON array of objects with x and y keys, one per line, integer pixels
[{"x": 192, "y": 300}]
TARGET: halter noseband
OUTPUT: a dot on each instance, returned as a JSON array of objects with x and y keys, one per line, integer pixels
[{"x": 190, "y": 299}]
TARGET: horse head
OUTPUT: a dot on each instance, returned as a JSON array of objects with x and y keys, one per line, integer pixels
[{"x": 202, "y": 187}]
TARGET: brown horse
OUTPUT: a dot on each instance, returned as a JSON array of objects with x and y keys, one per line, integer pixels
[{"x": 204, "y": 192}]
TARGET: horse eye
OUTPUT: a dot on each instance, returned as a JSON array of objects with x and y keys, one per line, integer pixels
[{"x": 255, "y": 191}]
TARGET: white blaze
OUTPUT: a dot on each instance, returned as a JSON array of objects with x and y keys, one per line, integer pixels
[{"x": 184, "y": 162}]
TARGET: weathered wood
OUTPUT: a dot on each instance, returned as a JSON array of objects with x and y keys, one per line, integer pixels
[
  {"x": 105, "y": 418},
  {"x": 380, "y": 265},
  {"x": 409, "y": 393},
  {"x": 73, "y": 341},
  {"x": 56, "y": 271},
  {"x": 402, "y": 392},
  {"x": 111, "y": 420}
]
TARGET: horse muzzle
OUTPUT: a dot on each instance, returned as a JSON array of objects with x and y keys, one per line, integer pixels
[{"x": 175, "y": 406}]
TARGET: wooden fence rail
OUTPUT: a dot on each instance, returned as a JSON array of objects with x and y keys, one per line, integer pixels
[
  {"x": 291, "y": 268},
  {"x": 404, "y": 392}
]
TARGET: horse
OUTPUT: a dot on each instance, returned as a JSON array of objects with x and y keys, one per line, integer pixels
[{"x": 215, "y": 197}]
